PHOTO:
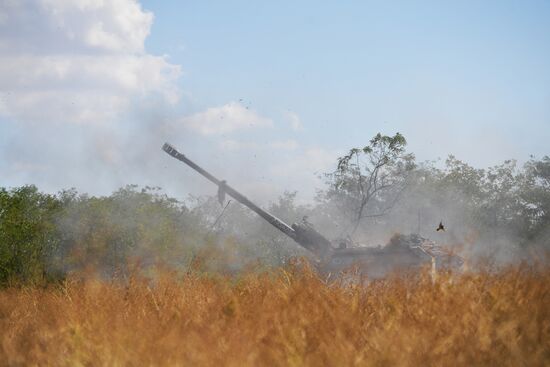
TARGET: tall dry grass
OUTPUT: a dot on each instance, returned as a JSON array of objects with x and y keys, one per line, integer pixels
[{"x": 287, "y": 318}]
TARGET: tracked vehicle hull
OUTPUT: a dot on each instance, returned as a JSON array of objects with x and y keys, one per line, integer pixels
[{"x": 402, "y": 253}]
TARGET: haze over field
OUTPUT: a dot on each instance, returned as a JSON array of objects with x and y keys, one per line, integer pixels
[
  {"x": 395, "y": 156},
  {"x": 266, "y": 96}
]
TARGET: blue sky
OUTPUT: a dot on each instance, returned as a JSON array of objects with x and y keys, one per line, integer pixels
[
  {"x": 277, "y": 90},
  {"x": 479, "y": 70}
]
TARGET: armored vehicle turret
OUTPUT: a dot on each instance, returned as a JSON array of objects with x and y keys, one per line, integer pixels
[{"x": 402, "y": 252}]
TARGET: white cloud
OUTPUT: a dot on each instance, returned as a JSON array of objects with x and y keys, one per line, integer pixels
[
  {"x": 294, "y": 120},
  {"x": 44, "y": 26},
  {"x": 284, "y": 144},
  {"x": 236, "y": 145},
  {"x": 227, "y": 118},
  {"x": 78, "y": 61}
]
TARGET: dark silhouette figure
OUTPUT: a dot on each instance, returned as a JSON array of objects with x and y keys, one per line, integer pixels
[{"x": 441, "y": 227}]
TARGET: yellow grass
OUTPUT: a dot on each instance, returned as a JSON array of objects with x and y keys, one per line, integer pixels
[{"x": 286, "y": 318}]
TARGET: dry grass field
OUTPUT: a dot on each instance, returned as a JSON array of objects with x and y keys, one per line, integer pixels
[{"x": 285, "y": 318}]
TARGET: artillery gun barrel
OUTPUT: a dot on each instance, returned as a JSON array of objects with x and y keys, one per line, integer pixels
[{"x": 276, "y": 222}]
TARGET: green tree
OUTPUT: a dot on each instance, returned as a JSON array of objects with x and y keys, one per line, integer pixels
[
  {"x": 535, "y": 197},
  {"x": 105, "y": 232},
  {"x": 368, "y": 181},
  {"x": 28, "y": 233}
]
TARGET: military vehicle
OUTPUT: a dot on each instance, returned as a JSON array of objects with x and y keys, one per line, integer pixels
[{"x": 401, "y": 253}]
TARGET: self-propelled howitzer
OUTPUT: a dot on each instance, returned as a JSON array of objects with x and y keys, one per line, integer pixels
[{"x": 402, "y": 252}]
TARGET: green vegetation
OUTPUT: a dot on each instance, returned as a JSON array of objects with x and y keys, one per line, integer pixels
[
  {"x": 45, "y": 236},
  {"x": 380, "y": 188},
  {"x": 28, "y": 232},
  {"x": 368, "y": 181}
]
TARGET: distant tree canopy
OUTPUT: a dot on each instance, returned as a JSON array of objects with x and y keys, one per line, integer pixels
[
  {"x": 368, "y": 181},
  {"x": 377, "y": 189},
  {"x": 382, "y": 188},
  {"x": 42, "y": 236},
  {"x": 501, "y": 198}
]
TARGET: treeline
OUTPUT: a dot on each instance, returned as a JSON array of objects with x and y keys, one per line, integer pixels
[
  {"x": 486, "y": 209},
  {"x": 45, "y": 236},
  {"x": 376, "y": 191}
]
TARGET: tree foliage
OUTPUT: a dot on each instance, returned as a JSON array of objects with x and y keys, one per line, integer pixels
[
  {"x": 368, "y": 181},
  {"x": 28, "y": 234}
]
